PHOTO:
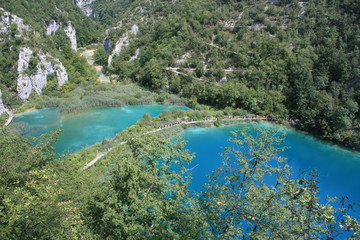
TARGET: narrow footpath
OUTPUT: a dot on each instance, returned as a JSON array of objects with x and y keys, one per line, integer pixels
[
  {"x": 170, "y": 125},
  {"x": 11, "y": 117}
]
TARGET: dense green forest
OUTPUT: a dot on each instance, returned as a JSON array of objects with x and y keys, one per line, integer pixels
[
  {"x": 38, "y": 15},
  {"x": 139, "y": 191},
  {"x": 288, "y": 59},
  {"x": 291, "y": 59}
]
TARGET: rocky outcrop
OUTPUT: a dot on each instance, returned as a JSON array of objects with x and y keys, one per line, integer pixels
[
  {"x": 46, "y": 65},
  {"x": 71, "y": 33},
  {"x": 106, "y": 41},
  {"x": 134, "y": 29},
  {"x": 85, "y": 6},
  {"x": 135, "y": 56},
  {"x": 24, "y": 82},
  {"x": 52, "y": 28},
  {"x": 7, "y": 19},
  {"x": 122, "y": 42},
  {"x": 2, "y": 107}
]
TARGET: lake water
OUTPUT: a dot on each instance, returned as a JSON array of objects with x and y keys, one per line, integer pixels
[
  {"x": 338, "y": 169},
  {"x": 86, "y": 128}
]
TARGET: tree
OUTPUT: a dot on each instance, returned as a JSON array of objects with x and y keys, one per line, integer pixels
[
  {"x": 101, "y": 56},
  {"x": 252, "y": 196},
  {"x": 31, "y": 203},
  {"x": 146, "y": 196}
]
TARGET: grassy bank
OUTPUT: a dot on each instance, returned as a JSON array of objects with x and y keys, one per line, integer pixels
[{"x": 88, "y": 96}]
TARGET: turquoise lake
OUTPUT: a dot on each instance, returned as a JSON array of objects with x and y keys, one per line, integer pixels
[
  {"x": 86, "y": 128},
  {"x": 338, "y": 169}
]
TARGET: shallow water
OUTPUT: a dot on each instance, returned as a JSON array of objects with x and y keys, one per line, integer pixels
[
  {"x": 338, "y": 169},
  {"x": 86, "y": 128}
]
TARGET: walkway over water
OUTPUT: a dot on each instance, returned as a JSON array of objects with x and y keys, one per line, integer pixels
[{"x": 170, "y": 125}]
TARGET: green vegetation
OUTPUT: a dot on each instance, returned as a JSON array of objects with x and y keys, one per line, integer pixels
[
  {"x": 87, "y": 96},
  {"x": 39, "y": 14},
  {"x": 140, "y": 191},
  {"x": 292, "y": 59}
]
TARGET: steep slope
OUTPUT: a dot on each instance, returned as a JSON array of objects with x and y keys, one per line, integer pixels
[
  {"x": 38, "y": 41},
  {"x": 285, "y": 58}
]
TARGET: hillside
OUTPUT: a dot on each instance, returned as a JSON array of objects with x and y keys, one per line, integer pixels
[
  {"x": 232, "y": 62},
  {"x": 291, "y": 59},
  {"x": 38, "y": 44}
]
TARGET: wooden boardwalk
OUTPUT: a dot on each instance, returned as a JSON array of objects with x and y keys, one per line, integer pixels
[{"x": 170, "y": 125}]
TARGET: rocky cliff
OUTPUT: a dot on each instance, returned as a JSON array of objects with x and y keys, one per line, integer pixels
[
  {"x": 85, "y": 6},
  {"x": 46, "y": 65},
  {"x": 69, "y": 30},
  {"x": 2, "y": 107},
  {"x": 71, "y": 33},
  {"x": 7, "y": 19},
  {"x": 123, "y": 42},
  {"x": 52, "y": 27}
]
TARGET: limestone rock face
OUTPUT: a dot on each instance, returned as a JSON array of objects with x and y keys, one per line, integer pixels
[
  {"x": 2, "y": 107},
  {"x": 120, "y": 44},
  {"x": 24, "y": 82},
  {"x": 135, "y": 56},
  {"x": 134, "y": 29},
  {"x": 123, "y": 42},
  {"x": 85, "y": 6},
  {"x": 46, "y": 65},
  {"x": 52, "y": 28},
  {"x": 7, "y": 19},
  {"x": 71, "y": 33}
]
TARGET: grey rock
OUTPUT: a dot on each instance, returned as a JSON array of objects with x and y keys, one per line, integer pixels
[
  {"x": 2, "y": 107},
  {"x": 46, "y": 65},
  {"x": 6, "y": 19},
  {"x": 135, "y": 56},
  {"x": 85, "y": 6},
  {"x": 52, "y": 28},
  {"x": 122, "y": 42},
  {"x": 71, "y": 33}
]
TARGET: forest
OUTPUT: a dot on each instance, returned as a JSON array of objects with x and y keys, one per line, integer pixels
[
  {"x": 292, "y": 59},
  {"x": 140, "y": 191},
  {"x": 287, "y": 59}
]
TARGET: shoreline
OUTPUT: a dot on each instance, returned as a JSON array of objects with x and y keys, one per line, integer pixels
[
  {"x": 287, "y": 125},
  {"x": 26, "y": 111}
]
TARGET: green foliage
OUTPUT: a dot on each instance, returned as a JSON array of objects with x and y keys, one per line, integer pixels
[
  {"x": 287, "y": 59},
  {"x": 100, "y": 56},
  {"x": 253, "y": 196},
  {"x": 30, "y": 200},
  {"x": 40, "y": 13},
  {"x": 145, "y": 196},
  {"x": 139, "y": 191}
]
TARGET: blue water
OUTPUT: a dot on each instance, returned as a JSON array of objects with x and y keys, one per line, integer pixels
[
  {"x": 86, "y": 128},
  {"x": 338, "y": 169}
]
